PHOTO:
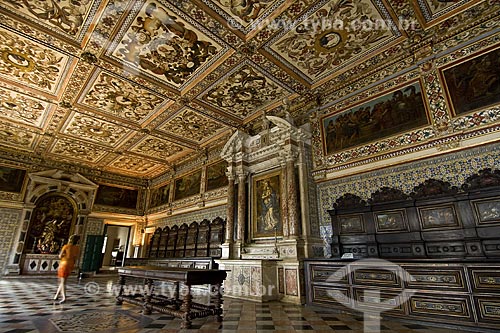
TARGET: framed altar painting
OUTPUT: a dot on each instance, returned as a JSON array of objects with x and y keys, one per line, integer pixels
[
  {"x": 397, "y": 111},
  {"x": 473, "y": 84},
  {"x": 390, "y": 221},
  {"x": 438, "y": 217},
  {"x": 187, "y": 185},
  {"x": 266, "y": 208}
]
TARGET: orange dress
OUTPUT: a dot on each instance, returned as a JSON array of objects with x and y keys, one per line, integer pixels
[{"x": 69, "y": 256}]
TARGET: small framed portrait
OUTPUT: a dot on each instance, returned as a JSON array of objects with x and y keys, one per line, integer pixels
[
  {"x": 391, "y": 221},
  {"x": 438, "y": 217},
  {"x": 487, "y": 211},
  {"x": 350, "y": 224}
]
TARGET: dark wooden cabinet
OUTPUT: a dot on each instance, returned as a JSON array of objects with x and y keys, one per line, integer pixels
[{"x": 454, "y": 293}]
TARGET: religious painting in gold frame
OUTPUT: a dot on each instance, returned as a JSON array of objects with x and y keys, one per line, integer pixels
[{"x": 266, "y": 208}]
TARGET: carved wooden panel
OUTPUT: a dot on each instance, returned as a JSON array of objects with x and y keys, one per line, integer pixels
[
  {"x": 488, "y": 309},
  {"x": 376, "y": 277},
  {"x": 457, "y": 307},
  {"x": 436, "y": 278},
  {"x": 331, "y": 274},
  {"x": 331, "y": 296}
]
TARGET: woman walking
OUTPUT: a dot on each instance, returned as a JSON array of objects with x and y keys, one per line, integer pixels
[{"x": 69, "y": 256}]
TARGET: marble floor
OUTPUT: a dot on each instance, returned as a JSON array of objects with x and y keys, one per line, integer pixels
[{"x": 26, "y": 305}]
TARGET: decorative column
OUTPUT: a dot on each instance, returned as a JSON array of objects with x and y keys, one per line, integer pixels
[
  {"x": 230, "y": 210},
  {"x": 303, "y": 190},
  {"x": 292, "y": 196},
  {"x": 240, "y": 229},
  {"x": 284, "y": 203}
]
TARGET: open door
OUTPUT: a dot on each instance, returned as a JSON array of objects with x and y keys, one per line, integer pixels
[{"x": 93, "y": 253}]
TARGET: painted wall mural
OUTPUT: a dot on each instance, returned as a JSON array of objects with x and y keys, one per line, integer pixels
[
  {"x": 160, "y": 196},
  {"x": 11, "y": 180},
  {"x": 474, "y": 84},
  {"x": 116, "y": 196},
  {"x": 187, "y": 185},
  {"x": 395, "y": 112},
  {"x": 216, "y": 176}
]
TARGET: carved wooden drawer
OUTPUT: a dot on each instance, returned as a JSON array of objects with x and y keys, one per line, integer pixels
[
  {"x": 376, "y": 277},
  {"x": 440, "y": 278},
  {"x": 485, "y": 279},
  {"x": 488, "y": 309},
  {"x": 379, "y": 301},
  {"x": 330, "y": 274},
  {"x": 445, "y": 306},
  {"x": 330, "y": 295}
]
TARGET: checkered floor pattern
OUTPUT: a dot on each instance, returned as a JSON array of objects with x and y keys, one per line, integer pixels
[{"x": 26, "y": 305}]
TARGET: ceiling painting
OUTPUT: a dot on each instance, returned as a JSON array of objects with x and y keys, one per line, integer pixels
[
  {"x": 332, "y": 35},
  {"x": 16, "y": 137},
  {"x": 434, "y": 11},
  {"x": 22, "y": 108},
  {"x": 75, "y": 150},
  {"x": 68, "y": 18},
  {"x": 120, "y": 98},
  {"x": 167, "y": 45},
  {"x": 134, "y": 165},
  {"x": 151, "y": 146},
  {"x": 95, "y": 130},
  {"x": 243, "y": 92},
  {"x": 192, "y": 125},
  {"x": 140, "y": 88},
  {"x": 30, "y": 64},
  {"x": 246, "y": 18}
]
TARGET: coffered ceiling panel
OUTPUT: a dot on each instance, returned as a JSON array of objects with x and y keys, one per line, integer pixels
[
  {"x": 32, "y": 65},
  {"x": 23, "y": 109},
  {"x": 244, "y": 91},
  {"x": 165, "y": 44},
  {"x": 17, "y": 138},
  {"x": 331, "y": 36},
  {"x": 192, "y": 125},
  {"x": 117, "y": 97},
  {"x": 151, "y": 146},
  {"x": 77, "y": 150},
  {"x": 67, "y": 18},
  {"x": 95, "y": 130}
]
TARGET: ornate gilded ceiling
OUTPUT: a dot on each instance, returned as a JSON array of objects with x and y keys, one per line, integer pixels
[{"x": 134, "y": 87}]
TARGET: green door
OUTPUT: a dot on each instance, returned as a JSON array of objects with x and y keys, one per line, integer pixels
[{"x": 93, "y": 253}]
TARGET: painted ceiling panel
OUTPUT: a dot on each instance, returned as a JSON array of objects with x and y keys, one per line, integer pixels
[
  {"x": 151, "y": 146},
  {"x": 22, "y": 108},
  {"x": 17, "y": 138},
  {"x": 30, "y": 64},
  {"x": 331, "y": 35},
  {"x": 192, "y": 125},
  {"x": 68, "y": 18},
  {"x": 244, "y": 91},
  {"x": 76, "y": 150},
  {"x": 166, "y": 44},
  {"x": 95, "y": 130},
  {"x": 118, "y": 97}
]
